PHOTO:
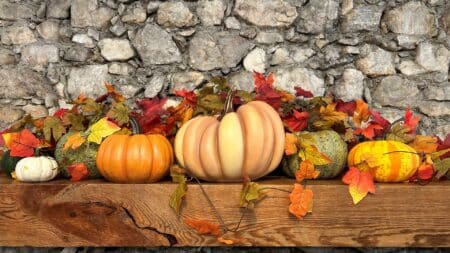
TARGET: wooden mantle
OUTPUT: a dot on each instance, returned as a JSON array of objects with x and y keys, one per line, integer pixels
[{"x": 97, "y": 213}]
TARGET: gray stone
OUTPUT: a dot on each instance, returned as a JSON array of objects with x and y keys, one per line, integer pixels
[
  {"x": 242, "y": 80},
  {"x": 175, "y": 14},
  {"x": 441, "y": 131},
  {"x": 269, "y": 37},
  {"x": 93, "y": 33},
  {"x": 256, "y": 61},
  {"x": 281, "y": 56},
  {"x": 58, "y": 9},
  {"x": 155, "y": 85},
  {"x": 83, "y": 39},
  {"x": 412, "y": 18},
  {"x": 153, "y": 6},
  {"x": 445, "y": 20},
  {"x": 135, "y": 14},
  {"x": 7, "y": 57},
  {"x": 433, "y": 57},
  {"x": 40, "y": 54},
  {"x": 9, "y": 115},
  {"x": 116, "y": 49},
  {"x": 18, "y": 82},
  {"x": 124, "y": 69},
  {"x": 77, "y": 53},
  {"x": 232, "y": 23},
  {"x": 211, "y": 12},
  {"x": 88, "y": 80},
  {"x": 437, "y": 93},
  {"x": 18, "y": 33},
  {"x": 408, "y": 41},
  {"x": 302, "y": 54},
  {"x": 129, "y": 91},
  {"x": 375, "y": 61},
  {"x": 49, "y": 30},
  {"x": 391, "y": 114},
  {"x": 435, "y": 109},
  {"x": 248, "y": 32},
  {"x": 36, "y": 111},
  {"x": 86, "y": 13},
  {"x": 346, "y": 6},
  {"x": 289, "y": 78},
  {"x": 208, "y": 51},
  {"x": 350, "y": 50},
  {"x": 14, "y": 11},
  {"x": 118, "y": 29},
  {"x": 362, "y": 18},
  {"x": 317, "y": 16},
  {"x": 186, "y": 80},
  {"x": 350, "y": 86},
  {"x": 266, "y": 13},
  {"x": 411, "y": 68},
  {"x": 155, "y": 46},
  {"x": 187, "y": 32},
  {"x": 396, "y": 91}
]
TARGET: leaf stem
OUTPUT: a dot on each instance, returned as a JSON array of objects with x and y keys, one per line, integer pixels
[{"x": 273, "y": 188}]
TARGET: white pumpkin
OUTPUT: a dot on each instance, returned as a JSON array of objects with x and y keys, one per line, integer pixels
[{"x": 36, "y": 169}]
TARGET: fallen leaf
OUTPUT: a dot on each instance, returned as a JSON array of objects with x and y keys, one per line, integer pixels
[
  {"x": 306, "y": 170},
  {"x": 347, "y": 107},
  {"x": 60, "y": 113},
  {"x": 8, "y": 138},
  {"x": 177, "y": 196},
  {"x": 53, "y": 127},
  {"x": 360, "y": 183},
  {"x": 250, "y": 194},
  {"x": 101, "y": 129},
  {"x": 290, "y": 144},
  {"x": 425, "y": 144},
  {"x": 328, "y": 116},
  {"x": 312, "y": 154},
  {"x": 298, "y": 121},
  {"x": 301, "y": 201},
  {"x": 411, "y": 121},
  {"x": 399, "y": 132},
  {"x": 74, "y": 141},
  {"x": 442, "y": 167},
  {"x": 203, "y": 227},
  {"x": 23, "y": 144},
  {"x": 300, "y": 92},
  {"x": 119, "y": 112},
  {"x": 78, "y": 172},
  {"x": 189, "y": 96},
  {"x": 361, "y": 113},
  {"x": 369, "y": 131}
]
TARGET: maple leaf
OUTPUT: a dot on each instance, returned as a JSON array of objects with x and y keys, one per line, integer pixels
[
  {"x": 298, "y": 121},
  {"x": 53, "y": 127},
  {"x": 444, "y": 145},
  {"x": 290, "y": 144},
  {"x": 91, "y": 107},
  {"x": 347, "y": 107},
  {"x": 411, "y": 121},
  {"x": 78, "y": 172},
  {"x": 177, "y": 196},
  {"x": 425, "y": 144},
  {"x": 442, "y": 166},
  {"x": 101, "y": 129},
  {"x": 265, "y": 91},
  {"x": 119, "y": 113},
  {"x": 360, "y": 183},
  {"x": 306, "y": 170},
  {"x": 111, "y": 92},
  {"x": 60, "y": 113},
  {"x": 378, "y": 119},
  {"x": 313, "y": 155},
  {"x": 74, "y": 141},
  {"x": 23, "y": 145},
  {"x": 369, "y": 131},
  {"x": 189, "y": 96},
  {"x": 361, "y": 113},
  {"x": 250, "y": 194},
  {"x": 203, "y": 227},
  {"x": 151, "y": 114},
  {"x": 8, "y": 138},
  {"x": 399, "y": 132},
  {"x": 300, "y": 92},
  {"x": 328, "y": 116},
  {"x": 301, "y": 201},
  {"x": 261, "y": 81},
  {"x": 74, "y": 120}
]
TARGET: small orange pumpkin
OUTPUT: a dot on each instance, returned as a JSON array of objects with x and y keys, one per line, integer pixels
[{"x": 136, "y": 158}]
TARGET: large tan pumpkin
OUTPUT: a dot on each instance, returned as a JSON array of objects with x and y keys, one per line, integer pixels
[{"x": 249, "y": 142}]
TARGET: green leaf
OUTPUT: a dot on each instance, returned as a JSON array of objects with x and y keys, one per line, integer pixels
[
  {"x": 250, "y": 194},
  {"x": 75, "y": 121},
  {"x": 399, "y": 132},
  {"x": 53, "y": 127},
  {"x": 177, "y": 196},
  {"x": 209, "y": 104},
  {"x": 91, "y": 107},
  {"x": 442, "y": 167},
  {"x": 245, "y": 96},
  {"x": 120, "y": 113}
]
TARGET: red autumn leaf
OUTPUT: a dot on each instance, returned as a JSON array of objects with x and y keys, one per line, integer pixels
[
  {"x": 411, "y": 121},
  {"x": 297, "y": 121},
  {"x": 369, "y": 131},
  {"x": 300, "y": 92},
  {"x": 24, "y": 144},
  {"x": 261, "y": 81},
  {"x": 78, "y": 172},
  {"x": 265, "y": 91},
  {"x": 151, "y": 112},
  {"x": 378, "y": 119},
  {"x": 360, "y": 183},
  {"x": 189, "y": 96},
  {"x": 60, "y": 113},
  {"x": 203, "y": 227},
  {"x": 347, "y": 107},
  {"x": 444, "y": 144}
]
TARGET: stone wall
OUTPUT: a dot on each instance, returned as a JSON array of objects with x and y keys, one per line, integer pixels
[{"x": 392, "y": 53}]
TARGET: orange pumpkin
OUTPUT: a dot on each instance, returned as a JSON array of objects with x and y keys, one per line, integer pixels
[
  {"x": 134, "y": 158},
  {"x": 387, "y": 161},
  {"x": 249, "y": 142}
]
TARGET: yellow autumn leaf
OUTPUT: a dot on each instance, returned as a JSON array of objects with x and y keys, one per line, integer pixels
[
  {"x": 290, "y": 144},
  {"x": 101, "y": 129},
  {"x": 8, "y": 138},
  {"x": 425, "y": 144},
  {"x": 328, "y": 116},
  {"x": 311, "y": 153},
  {"x": 74, "y": 141}
]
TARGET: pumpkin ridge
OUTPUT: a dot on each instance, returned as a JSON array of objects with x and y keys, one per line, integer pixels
[
  {"x": 270, "y": 146},
  {"x": 203, "y": 153},
  {"x": 150, "y": 154},
  {"x": 396, "y": 162}
]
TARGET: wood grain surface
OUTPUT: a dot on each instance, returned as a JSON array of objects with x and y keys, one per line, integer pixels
[{"x": 97, "y": 213}]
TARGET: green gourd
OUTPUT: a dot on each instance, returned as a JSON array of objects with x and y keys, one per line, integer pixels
[
  {"x": 8, "y": 162},
  {"x": 329, "y": 143}
]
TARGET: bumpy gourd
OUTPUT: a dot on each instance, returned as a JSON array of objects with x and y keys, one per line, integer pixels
[
  {"x": 134, "y": 158},
  {"x": 36, "y": 169},
  {"x": 395, "y": 161},
  {"x": 248, "y": 142}
]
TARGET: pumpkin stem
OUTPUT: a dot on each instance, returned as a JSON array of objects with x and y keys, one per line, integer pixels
[
  {"x": 134, "y": 126},
  {"x": 228, "y": 107}
]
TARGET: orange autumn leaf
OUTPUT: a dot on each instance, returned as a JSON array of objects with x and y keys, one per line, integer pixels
[
  {"x": 328, "y": 116},
  {"x": 24, "y": 143},
  {"x": 290, "y": 144},
  {"x": 301, "y": 201},
  {"x": 425, "y": 144},
  {"x": 306, "y": 170},
  {"x": 9, "y": 137},
  {"x": 360, "y": 183},
  {"x": 203, "y": 227},
  {"x": 78, "y": 172},
  {"x": 74, "y": 141},
  {"x": 361, "y": 113},
  {"x": 225, "y": 241}
]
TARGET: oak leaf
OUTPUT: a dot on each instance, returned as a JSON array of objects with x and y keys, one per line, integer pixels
[
  {"x": 300, "y": 201},
  {"x": 203, "y": 227},
  {"x": 306, "y": 170},
  {"x": 360, "y": 183},
  {"x": 101, "y": 129}
]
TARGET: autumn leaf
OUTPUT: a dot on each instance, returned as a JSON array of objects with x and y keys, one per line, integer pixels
[
  {"x": 328, "y": 116},
  {"x": 151, "y": 113},
  {"x": 23, "y": 144},
  {"x": 91, "y": 107},
  {"x": 60, "y": 113},
  {"x": 411, "y": 121},
  {"x": 111, "y": 92},
  {"x": 189, "y": 96},
  {"x": 250, "y": 194},
  {"x": 360, "y": 183},
  {"x": 119, "y": 113},
  {"x": 306, "y": 170},
  {"x": 101, "y": 129},
  {"x": 369, "y": 131},
  {"x": 300, "y": 92},
  {"x": 378, "y": 119},
  {"x": 9, "y": 137},
  {"x": 265, "y": 91},
  {"x": 425, "y": 144},
  {"x": 203, "y": 227},
  {"x": 312, "y": 154},
  {"x": 347, "y": 107},
  {"x": 177, "y": 196},
  {"x": 361, "y": 113},
  {"x": 298, "y": 121},
  {"x": 444, "y": 145},
  {"x": 301, "y": 201},
  {"x": 78, "y": 172},
  {"x": 442, "y": 167},
  {"x": 399, "y": 132},
  {"x": 75, "y": 121},
  {"x": 53, "y": 127},
  {"x": 290, "y": 144},
  {"x": 74, "y": 141}
]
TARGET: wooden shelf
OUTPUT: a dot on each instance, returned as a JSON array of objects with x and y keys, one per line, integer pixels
[{"x": 98, "y": 213}]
